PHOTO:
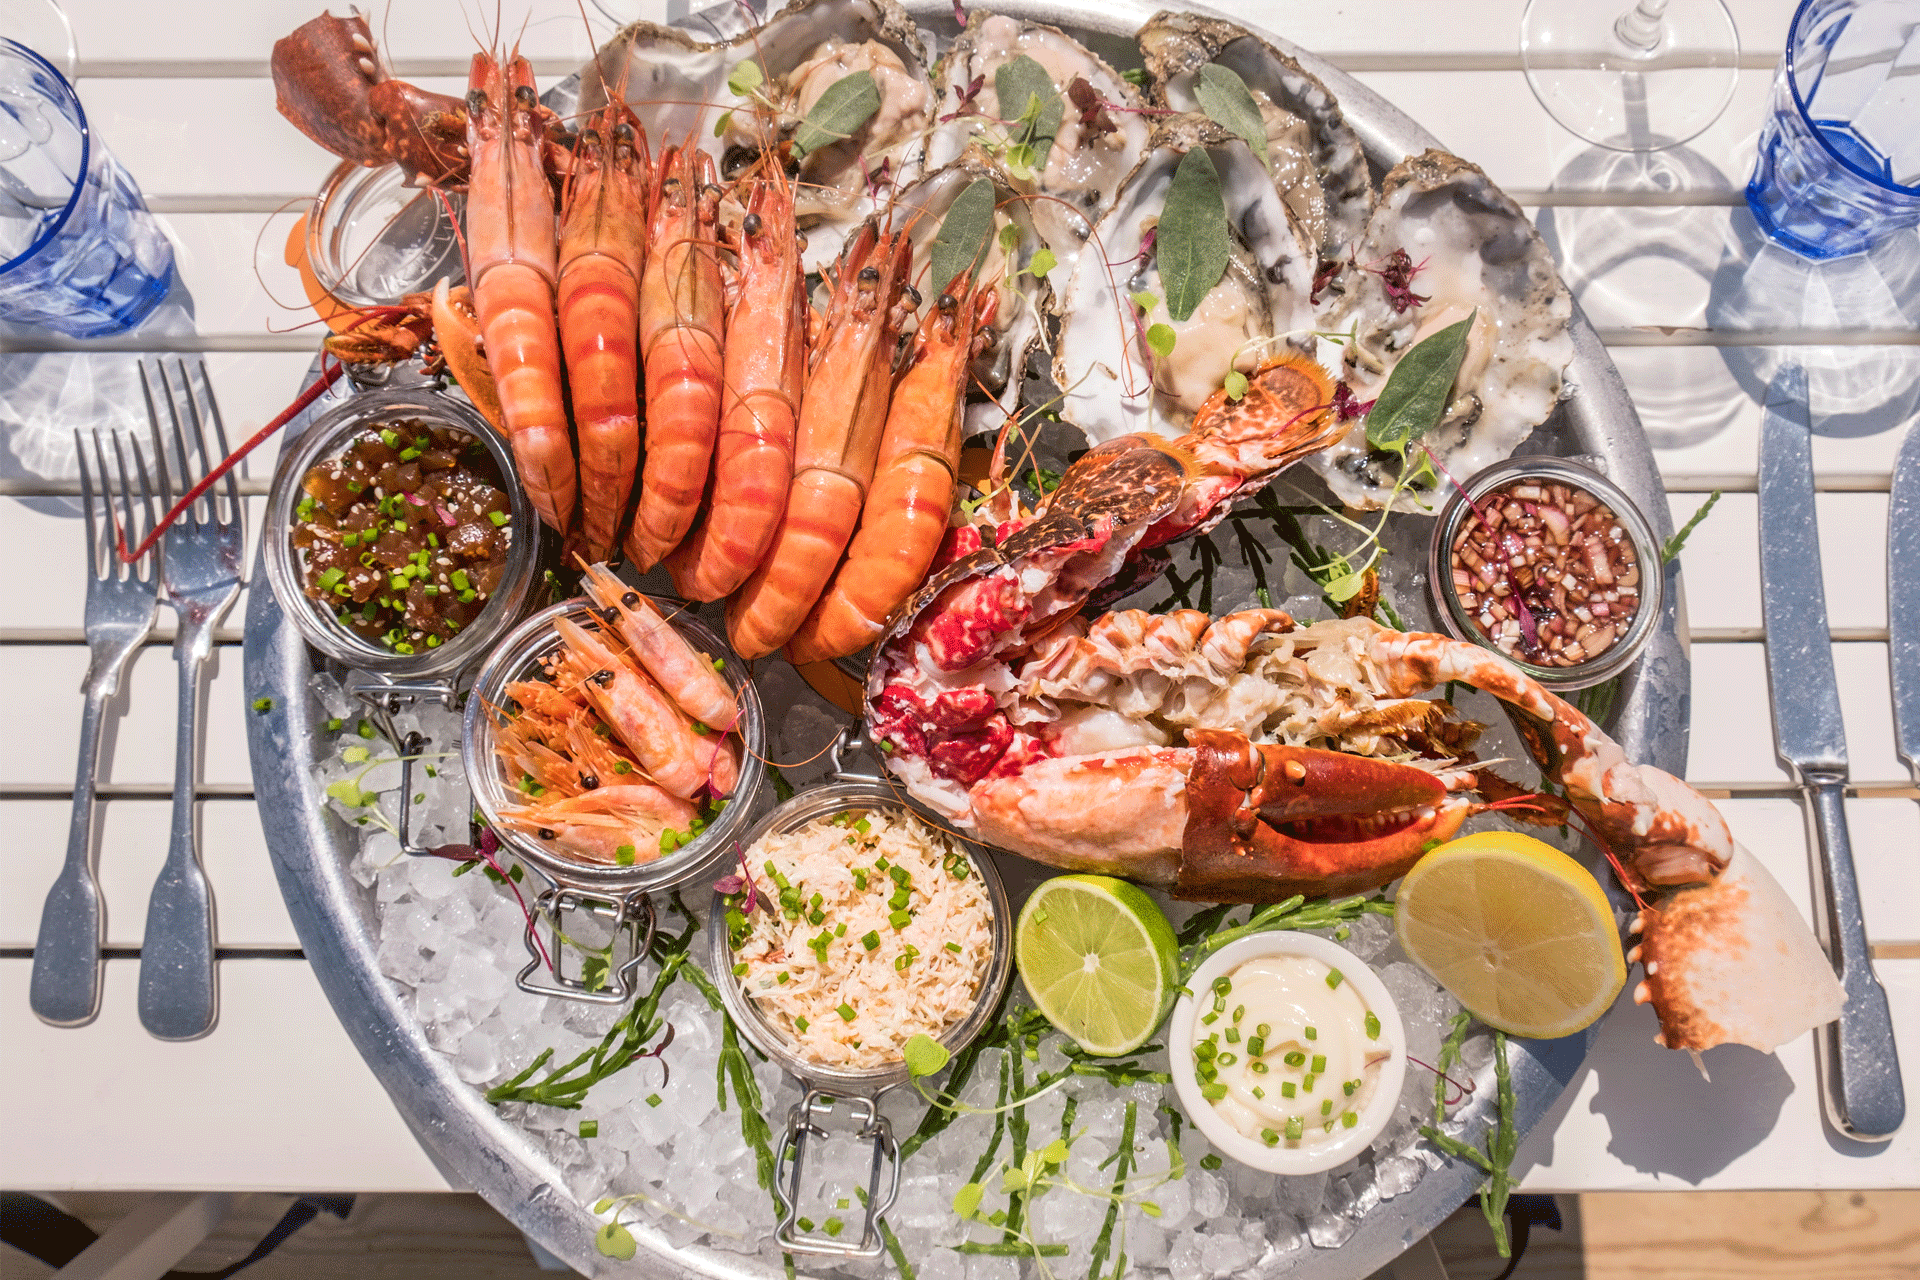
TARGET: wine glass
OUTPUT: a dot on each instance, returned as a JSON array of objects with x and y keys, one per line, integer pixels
[{"x": 1643, "y": 79}]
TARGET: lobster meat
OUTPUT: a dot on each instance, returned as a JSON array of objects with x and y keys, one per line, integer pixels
[{"x": 1241, "y": 759}]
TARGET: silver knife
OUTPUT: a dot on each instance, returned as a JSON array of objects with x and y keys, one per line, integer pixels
[
  {"x": 1859, "y": 1066},
  {"x": 1903, "y": 601}
]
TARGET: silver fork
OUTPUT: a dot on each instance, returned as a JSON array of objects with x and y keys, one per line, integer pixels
[
  {"x": 199, "y": 576},
  {"x": 65, "y": 988}
]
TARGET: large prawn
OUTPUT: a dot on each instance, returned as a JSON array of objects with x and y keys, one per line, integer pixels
[
  {"x": 1241, "y": 760},
  {"x": 842, "y": 415},
  {"x": 602, "y": 248},
  {"x": 764, "y": 374},
  {"x": 511, "y": 260},
  {"x": 905, "y": 516},
  {"x": 682, "y": 323}
]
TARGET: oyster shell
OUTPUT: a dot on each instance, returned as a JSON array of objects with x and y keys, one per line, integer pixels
[
  {"x": 1089, "y": 157},
  {"x": 1024, "y": 298},
  {"x": 677, "y": 85},
  {"x": 1467, "y": 250},
  {"x": 1315, "y": 159},
  {"x": 1101, "y": 363}
]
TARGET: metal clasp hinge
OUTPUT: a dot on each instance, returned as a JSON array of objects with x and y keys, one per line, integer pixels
[
  {"x": 629, "y": 917},
  {"x": 803, "y": 1122}
]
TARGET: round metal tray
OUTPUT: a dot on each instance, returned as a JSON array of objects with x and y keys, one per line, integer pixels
[{"x": 336, "y": 921}]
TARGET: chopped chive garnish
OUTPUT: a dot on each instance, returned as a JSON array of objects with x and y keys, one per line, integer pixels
[
  {"x": 589, "y": 1128},
  {"x": 1288, "y": 1089},
  {"x": 1213, "y": 1092},
  {"x": 1348, "y": 1086},
  {"x": 1348, "y": 1119},
  {"x": 1333, "y": 979},
  {"x": 801, "y": 1024},
  {"x": 1373, "y": 1026},
  {"x": 954, "y": 947},
  {"x": 1233, "y": 1037},
  {"x": 1326, "y": 1107},
  {"x": 740, "y": 970},
  {"x": 1271, "y": 1138},
  {"x": 1258, "y": 1068},
  {"x": 1295, "y": 1059},
  {"x": 1306, "y": 1082},
  {"x": 625, "y": 855},
  {"x": 1319, "y": 1063},
  {"x": 653, "y": 1099},
  {"x": 1294, "y": 1128},
  {"x": 845, "y": 1011}
]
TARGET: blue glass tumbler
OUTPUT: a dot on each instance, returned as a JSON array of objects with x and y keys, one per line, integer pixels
[
  {"x": 1839, "y": 161},
  {"x": 79, "y": 253}
]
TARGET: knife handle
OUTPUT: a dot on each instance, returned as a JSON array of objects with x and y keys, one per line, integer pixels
[{"x": 1859, "y": 1064}]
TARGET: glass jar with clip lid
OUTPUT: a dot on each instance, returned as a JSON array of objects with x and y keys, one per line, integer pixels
[
  {"x": 399, "y": 544},
  {"x": 604, "y": 813},
  {"x": 836, "y": 887}
]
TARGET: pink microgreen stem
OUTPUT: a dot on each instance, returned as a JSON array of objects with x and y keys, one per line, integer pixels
[{"x": 1463, "y": 1089}]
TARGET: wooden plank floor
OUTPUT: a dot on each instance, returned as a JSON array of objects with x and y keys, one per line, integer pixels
[{"x": 1697, "y": 1235}]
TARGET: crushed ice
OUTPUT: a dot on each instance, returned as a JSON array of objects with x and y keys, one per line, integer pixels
[{"x": 456, "y": 941}]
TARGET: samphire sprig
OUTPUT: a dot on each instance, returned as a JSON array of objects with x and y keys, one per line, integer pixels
[
  {"x": 1502, "y": 1138},
  {"x": 1295, "y": 913},
  {"x": 566, "y": 1086}
]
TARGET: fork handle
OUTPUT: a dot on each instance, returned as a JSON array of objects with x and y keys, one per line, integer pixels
[
  {"x": 179, "y": 999},
  {"x": 65, "y": 989}
]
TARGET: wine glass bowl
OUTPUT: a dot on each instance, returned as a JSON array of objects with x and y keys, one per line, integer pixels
[{"x": 1643, "y": 78}]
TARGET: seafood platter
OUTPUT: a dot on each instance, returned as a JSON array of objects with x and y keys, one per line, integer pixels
[{"x": 878, "y": 459}]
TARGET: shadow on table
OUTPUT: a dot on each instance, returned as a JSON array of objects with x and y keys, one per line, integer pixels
[
  {"x": 45, "y": 396},
  {"x": 1663, "y": 1117},
  {"x": 1704, "y": 258}
]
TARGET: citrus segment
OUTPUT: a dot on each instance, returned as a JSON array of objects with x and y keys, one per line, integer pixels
[
  {"x": 1100, "y": 960},
  {"x": 1519, "y": 932}
]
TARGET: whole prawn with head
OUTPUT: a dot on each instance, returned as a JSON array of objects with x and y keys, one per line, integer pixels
[
  {"x": 682, "y": 340},
  {"x": 512, "y": 249},
  {"x": 602, "y": 249},
  {"x": 842, "y": 415}
]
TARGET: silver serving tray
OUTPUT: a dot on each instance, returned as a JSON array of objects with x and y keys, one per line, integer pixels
[{"x": 336, "y": 918}]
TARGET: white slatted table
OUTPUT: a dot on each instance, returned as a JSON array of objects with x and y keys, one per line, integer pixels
[{"x": 277, "y": 1099}]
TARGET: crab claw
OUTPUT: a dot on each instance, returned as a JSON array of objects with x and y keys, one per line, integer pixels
[{"x": 1732, "y": 962}]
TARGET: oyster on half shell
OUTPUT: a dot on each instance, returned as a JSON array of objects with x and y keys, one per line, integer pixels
[
  {"x": 1111, "y": 382},
  {"x": 1443, "y": 244},
  {"x": 1314, "y": 157},
  {"x": 678, "y": 86},
  {"x": 1092, "y": 151}
]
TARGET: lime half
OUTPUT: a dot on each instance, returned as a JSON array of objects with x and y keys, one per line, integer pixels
[
  {"x": 1520, "y": 933},
  {"x": 1099, "y": 958}
]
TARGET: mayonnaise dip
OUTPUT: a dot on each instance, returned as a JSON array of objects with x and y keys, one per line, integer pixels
[{"x": 1286, "y": 1050}]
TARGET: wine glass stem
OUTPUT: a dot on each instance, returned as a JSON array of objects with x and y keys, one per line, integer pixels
[{"x": 1642, "y": 26}]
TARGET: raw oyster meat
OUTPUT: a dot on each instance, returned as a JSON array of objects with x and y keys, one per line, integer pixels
[
  {"x": 1112, "y": 383},
  {"x": 1093, "y": 148},
  {"x": 1443, "y": 244},
  {"x": 1315, "y": 159}
]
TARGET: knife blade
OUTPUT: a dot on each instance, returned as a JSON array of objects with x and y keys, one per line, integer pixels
[
  {"x": 1903, "y": 601},
  {"x": 1859, "y": 1065}
]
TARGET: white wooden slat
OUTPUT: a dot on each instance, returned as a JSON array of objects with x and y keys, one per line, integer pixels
[
  {"x": 1732, "y": 722},
  {"x": 439, "y": 28},
  {"x": 1721, "y": 561},
  {"x": 1885, "y": 832},
  {"x": 44, "y": 684},
  {"x": 50, "y": 591},
  {"x": 276, "y": 1099},
  {"x": 132, "y": 837}
]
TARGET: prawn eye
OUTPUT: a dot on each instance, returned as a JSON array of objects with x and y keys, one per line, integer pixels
[
  {"x": 476, "y": 100},
  {"x": 946, "y": 302},
  {"x": 603, "y": 678},
  {"x": 712, "y": 189},
  {"x": 751, "y": 224},
  {"x": 912, "y": 293},
  {"x": 590, "y": 781},
  {"x": 630, "y": 599},
  {"x": 623, "y": 132},
  {"x": 869, "y": 275},
  {"x": 524, "y": 95},
  {"x": 546, "y": 833}
]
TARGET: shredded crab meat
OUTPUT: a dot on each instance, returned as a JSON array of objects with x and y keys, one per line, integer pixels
[{"x": 822, "y": 945}]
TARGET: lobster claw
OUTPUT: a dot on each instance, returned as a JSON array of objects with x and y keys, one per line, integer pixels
[
  {"x": 329, "y": 82},
  {"x": 1267, "y": 822}
]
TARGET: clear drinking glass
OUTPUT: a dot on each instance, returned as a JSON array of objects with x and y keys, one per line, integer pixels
[
  {"x": 1839, "y": 157},
  {"x": 79, "y": 253}
]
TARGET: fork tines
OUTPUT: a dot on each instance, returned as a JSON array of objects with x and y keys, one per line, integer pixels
[
  {"x": 190, "y": 408},
  {"x": 127, "y": 524}
]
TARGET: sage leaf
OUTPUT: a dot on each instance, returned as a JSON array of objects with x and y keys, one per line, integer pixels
[
  {"x": 1031, "y": 103},
  {"x": 925, "y": 1055},
  {"x": 1160, "y": 339},
  {"x": 848, "y": 103},
  {"x": 1417, "y": 391},
  {"x": 1225, "y": 98},
  {"x": 965, "y": 233},
  {"x": 745, "y": 77},
  {"x": 1192, "y": 242},
  {"x": 615, "y": 1241}
]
